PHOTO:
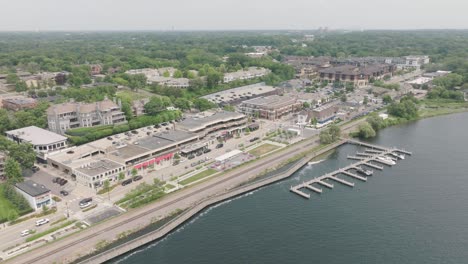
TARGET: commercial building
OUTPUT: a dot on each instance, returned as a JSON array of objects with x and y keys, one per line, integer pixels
[
  {"x": 358, "y": 75},
  {"x": 250, "y": 73},
  {"x": 43, "y": 141},
  {"x": 95, "y": 172},
  {"x": 270, "y": 107},
  {"x": 63, "y": 117},
  {"x": 18, "y": 103},
  {"x": 322, "y": 114},
  {"x": 307, "y": 67},
  {"x": 208, "y": 123},
  {"x": 236, "y": 95},
  {"x": 36, "y": 194}
]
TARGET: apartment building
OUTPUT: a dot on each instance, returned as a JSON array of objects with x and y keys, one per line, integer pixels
[
  {"x": 71, "y": 115},
  {"x": 358, "y": 75},
  {"x": 270, "y": 107}
]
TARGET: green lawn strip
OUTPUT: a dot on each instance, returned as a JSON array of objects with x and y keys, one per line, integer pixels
[
  {"x": 199, "y": 176},
  {"x": 263, "y": 149},
  {"x": 169, "y": 186},
  {"x": 7, "y": 209},
  {"x": 103, "y": 191},
  {"x": 58, "y": 221},
  {"x": 49, "y": 231}
]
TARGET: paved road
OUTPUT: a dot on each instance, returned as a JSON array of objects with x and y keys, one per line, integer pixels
[{"x": 72, "y": 247}]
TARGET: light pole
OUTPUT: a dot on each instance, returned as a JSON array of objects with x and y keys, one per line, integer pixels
[{"x": 68, "y": 212}]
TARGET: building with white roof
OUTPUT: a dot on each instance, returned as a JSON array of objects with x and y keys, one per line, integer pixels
[
  {"x": 250, "y": 73},
  {"x": 43, "y": 141}
]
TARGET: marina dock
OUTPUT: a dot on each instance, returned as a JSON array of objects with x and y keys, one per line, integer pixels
[{"x": 373, "y": 153}]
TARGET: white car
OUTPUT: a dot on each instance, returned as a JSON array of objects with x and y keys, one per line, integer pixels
[
  {"x": 84, "y": 205},
  {"x": 25, "y": 232},
  {"x": 42, "y": 221}
]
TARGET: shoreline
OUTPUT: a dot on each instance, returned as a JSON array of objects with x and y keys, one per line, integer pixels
[{"x": 193, "y": 211}]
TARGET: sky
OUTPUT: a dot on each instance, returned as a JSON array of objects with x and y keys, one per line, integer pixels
[{"x": 86, "y": 15}]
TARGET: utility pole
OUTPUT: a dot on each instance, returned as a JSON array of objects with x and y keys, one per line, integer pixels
[{"x": 68, "y": 212}]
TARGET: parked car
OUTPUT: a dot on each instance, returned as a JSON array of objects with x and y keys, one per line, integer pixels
[
  {"x": 191, "y": 156},
  {"x": 84, "y": 205},
  {"x": 86, "y": 200},
  {"x": 199, "y": 153},
  {"x": 137, "y": 178},
  {"x": 42, "y": 221},
  {"x": 157, "y": 126},
  {"x": 25, "y": 232},
  {"x": 55, "y": 179},
  {"x": 35, "y": 168},
  {"x": 109, "y": 138},
  {"x": 134, "y": 132},
  {"x": 164, "y": 124},
  {"x": 127, "y": 182},
  {"x": 206, "y": 150},
  {"x": 220, "y": 145},
  {"x": 63, "y": 182},
  {"x": 254, "y": 139},
  {"x": 63, "y": 192}
]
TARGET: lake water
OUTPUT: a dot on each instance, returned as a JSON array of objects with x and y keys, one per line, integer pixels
[{"x": 414, "y": 212}]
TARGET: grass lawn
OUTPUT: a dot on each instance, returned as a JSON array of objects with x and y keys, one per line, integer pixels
[
  {"x": 169, "y": 186},
  {"x": 199, "y": 176},
  {"x": 431, "y": 108},
  {"x": 263, "y": 149},
  {"x": 6, "y": 208},
  {"x": 49, "y": 231}
]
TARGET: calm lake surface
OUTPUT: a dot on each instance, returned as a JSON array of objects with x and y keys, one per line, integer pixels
[{"x": 414, "y": 212}]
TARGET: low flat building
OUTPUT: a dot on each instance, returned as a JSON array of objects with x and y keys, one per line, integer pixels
[
  {"x": 36, "y": 194},
  {"x": 322, "y": 114},
  {"x": 270, "y": 107},
  {"x": 95, "y": 172},
  {"x": 19, "y": 103},
  {"x": 250, "y": 73},
  {"x": 236, "y": 95},
  {"x": 43, "y": 141}
]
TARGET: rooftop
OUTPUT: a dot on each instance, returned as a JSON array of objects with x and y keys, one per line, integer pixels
[
  {"x": 20, "y": 100},
  {"x": 206, "y": 118},
  {"x": 97, "y": 167},
  {"x": 272, "y": 101},
  {"x": 36, "y": 135},
  {"x": 238, "y": 93},
  {"x": 32, "y": 188}
]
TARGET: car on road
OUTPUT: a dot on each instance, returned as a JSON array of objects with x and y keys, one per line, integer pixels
[
  {"x": 82, "y": 206},
  {"x": 254, "y": 139},
  {"x": 63, "y": 192},
  {"x": 86, "y": 200},
  {"x": 127, "y": 182},
  {"x": 137, "y": 178},
  {"x": 206, "y": 150},
  {"x": 42, "y": 221},
  {"x": 25, "y": 232},
  {"x": 63, "y": 182},
  {"x": 191, "y": 156},
  {"x": 220, "y": 145}
]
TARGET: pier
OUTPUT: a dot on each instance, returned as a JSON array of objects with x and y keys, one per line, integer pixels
[{"x": 373, "y": 153}]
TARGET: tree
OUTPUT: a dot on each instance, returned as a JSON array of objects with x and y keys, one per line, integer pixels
[
  {"x": 121, "y": 176},
  {"x": 12, "y": 78},
  {"x": 366, "y": 130},
  {"x": 21, "y": 86},
  {"x": 13, "y": 171},
  {"x": 387, "y": 99},
  {"x": 22, "y": 153},
  {"x": 136, "y": 81},
  {"x": 343, "y": 98},
  {"x": 203, "y": 104},
  {"x": 182, "y": 103},
  {"x": 325, "y": 137},
  {"x": 366, "y": 100},
  {"x": 157, "y": 104},
  {"x": 229, "y": 108},
  {"x": 134, "y": 172},
  {"x": 375, "y": 121},
  {"x": 306, "y": 105},
  {"x": 335, "y": 132}
]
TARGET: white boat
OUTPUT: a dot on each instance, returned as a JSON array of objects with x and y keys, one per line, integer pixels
[
  {"x": 387, "y": 159},
  {"x": 400, "y": 156}
]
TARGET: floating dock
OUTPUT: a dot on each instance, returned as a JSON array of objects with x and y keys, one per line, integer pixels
[{"x": 372, "y": 154}]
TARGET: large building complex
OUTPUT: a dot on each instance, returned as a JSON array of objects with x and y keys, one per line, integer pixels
[
  {"x": 63, "y": 117},
  {"x": 358, "y": 75},
  {"x": 43, "y": 141},
  {"x": 93, "y": 163},
  {"x": 270, "y": 107},
  {"x": 250, "y": 73}
]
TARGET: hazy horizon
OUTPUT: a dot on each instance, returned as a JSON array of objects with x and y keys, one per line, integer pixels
[{"x": 231, "y": 15}]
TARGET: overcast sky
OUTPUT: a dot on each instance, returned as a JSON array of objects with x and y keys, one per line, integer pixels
[{"x": 231, "y": 14}]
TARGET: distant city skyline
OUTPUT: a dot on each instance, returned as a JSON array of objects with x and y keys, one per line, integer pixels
[{"x": 87, "y": 15}]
